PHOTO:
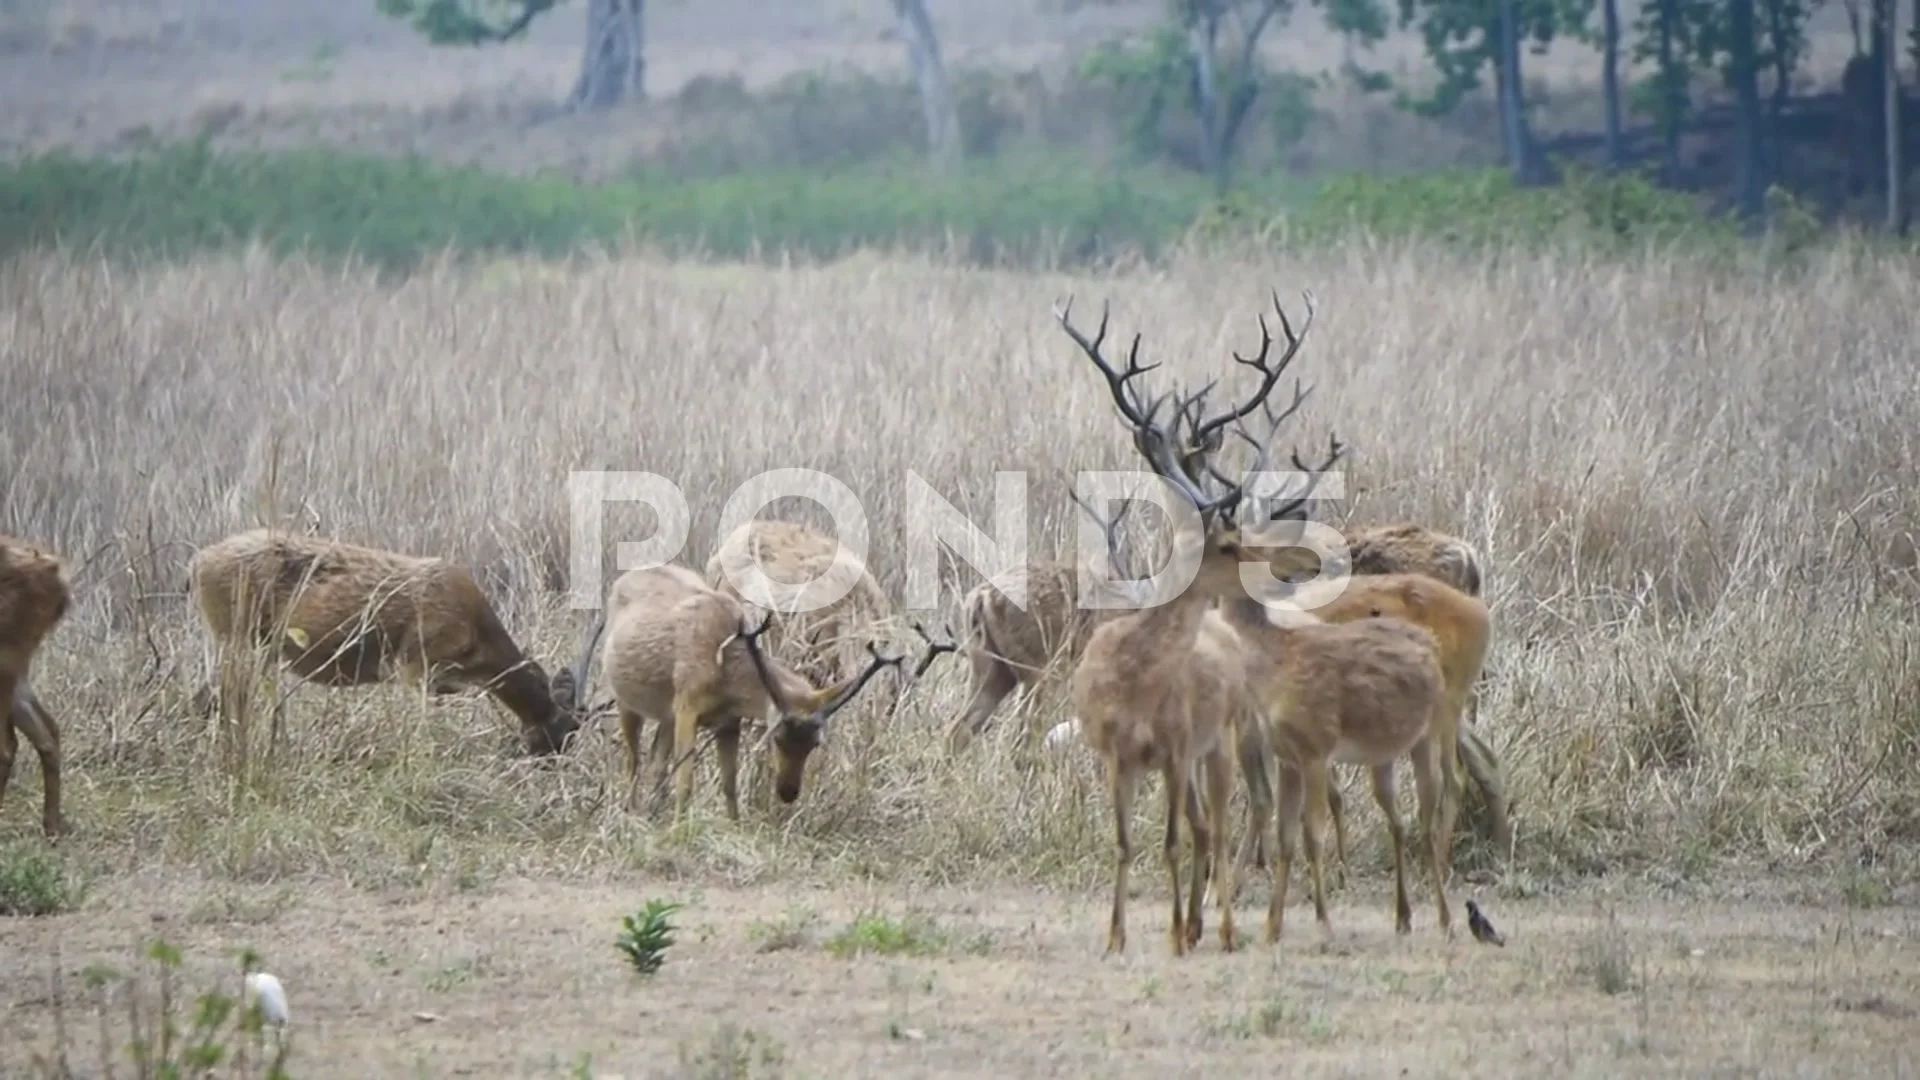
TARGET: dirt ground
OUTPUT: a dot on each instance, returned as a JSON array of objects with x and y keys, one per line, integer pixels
[{"x": 523, "y": 980}]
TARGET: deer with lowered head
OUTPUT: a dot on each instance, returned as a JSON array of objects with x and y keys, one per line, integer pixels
[
  {"x": 1152, "y": 687},
  {"x": 339, "y": 614},
  {"x": 684, "y": 655},
  {"x": 34, "y": 597}
]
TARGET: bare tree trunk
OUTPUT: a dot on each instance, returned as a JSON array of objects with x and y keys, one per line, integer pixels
[
  {"x": 1890, "y": 76},
  {"x": 1749, "y": 166},
  {"x": 936, "y": 97},
  {"x": 1673, "y": 86},
  {"x": 1610, "y": 79},
  {"x": 1202, "y": 32},
  {"x": 613, "y": 64},
  {"x": 1521, "y": 155}
]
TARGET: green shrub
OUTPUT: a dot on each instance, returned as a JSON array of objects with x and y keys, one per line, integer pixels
[
  {"x": 33, "y": 882},
  {"x": 185, "y": 198},
  {"x": 1482, "y": 206}
]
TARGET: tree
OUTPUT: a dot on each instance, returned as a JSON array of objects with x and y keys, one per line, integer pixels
[
  {"x": 1749, "y": 175},
  {"x": 936, "y": 96},
  {"x": 1463, "y": 36},
  {"x": 1224, "y": 99},
  {"x": 612, "y": 63},
  {"x": 1207, "y": 52}
]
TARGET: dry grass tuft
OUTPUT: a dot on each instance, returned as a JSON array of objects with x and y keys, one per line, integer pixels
[{"x": 1691, "y": 487}]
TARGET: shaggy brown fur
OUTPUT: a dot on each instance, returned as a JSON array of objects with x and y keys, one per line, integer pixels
[
  {"x": 678, "y": 652},
  {"x": 822, "y": 646},
  {"x": 34, "y": 597},
  {"x": 1365, "y": 693},
  {"x": 339, "y": 614}
]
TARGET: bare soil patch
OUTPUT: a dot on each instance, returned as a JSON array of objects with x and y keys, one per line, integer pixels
[{"x": 522, "y": 980}]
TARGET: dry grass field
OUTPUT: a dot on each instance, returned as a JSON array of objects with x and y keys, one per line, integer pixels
[{"x": 1692, "y": 485}]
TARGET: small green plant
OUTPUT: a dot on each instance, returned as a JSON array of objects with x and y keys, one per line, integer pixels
[
  {"x": 877, "y": 934},
  {"x": 33, "y": 883},
  {"x": 646, "y": 935}
]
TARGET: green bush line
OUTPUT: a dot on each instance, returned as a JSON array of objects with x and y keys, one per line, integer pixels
[{"x": 178, "y": 200}]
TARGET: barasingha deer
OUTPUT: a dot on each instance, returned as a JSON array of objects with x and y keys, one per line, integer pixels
[
  {"x": 1010, "y": 647},
  {"x": 1366, "y": 692},
  {"x": 1150, "y": 685},
  {"x": 1406, "y": 548},
  {"x": 339, "y": 614},
  {"x": 1460, "y": 628},
  {"x": 34, "y": 597},
  {"x": 686, "y": 656},
  {"x": 823, "y": 645}
]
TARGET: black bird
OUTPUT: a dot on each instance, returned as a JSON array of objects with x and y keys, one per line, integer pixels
[{"x": 1482, "y": 928}]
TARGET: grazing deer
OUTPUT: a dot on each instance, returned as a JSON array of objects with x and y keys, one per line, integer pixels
[
  {"x": 1008, "y": 647},
  {"x": 1366, "y": 692},
  {"x": 1460, "y": 626},
  {"x": 823, "y": 645},
  {"x": 339, "y": 614},
  {"x": 1149, "y": 683},
  {"x": 681, "y": 653},
  {"x": 34, "y": 597}
]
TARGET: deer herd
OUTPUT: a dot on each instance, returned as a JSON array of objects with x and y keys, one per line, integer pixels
[{"x": 1371, "y": 663}]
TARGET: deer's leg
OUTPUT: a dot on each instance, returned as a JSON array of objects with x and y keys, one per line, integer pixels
[
  {"x": 1178, "y": 777},
  {"x": 1336, "y": 810},
  {"x": 1383, "y": 796},
  {"x": 1433, "y": 778},
  {"x": 630, "y": 725},
  {"x": 30, "y": 716},
  {"x": 1198, "y": 828},
  {"x": 9, "y": 744},
  {"x": 726, "y": 744},
  {"x": 686, "y": 727},
  {"x": 1123, "y": 782},
  {"x": 1290, "y": 799},
  {"x": 1317, "y": 786},
  {"x": 993, "y": 680},
  {"x": 660, "y": 755},
  {"x": 1219, "y": 809}
]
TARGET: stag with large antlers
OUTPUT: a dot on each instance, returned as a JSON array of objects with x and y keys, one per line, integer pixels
[
  {"x": 34, "y": 597},
  {"x": 339, "y": 614},
  {"x": 1140, "y": 688},
  {"x": 685, "y": 655}
]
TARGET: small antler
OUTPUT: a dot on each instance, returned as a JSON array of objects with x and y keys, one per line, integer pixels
[
  {"x": 1109, "y": 526},
  {"x": 934, "y": 649},
  {"x": 839, "y": 701},
  {"x": 750, "y": 637}
]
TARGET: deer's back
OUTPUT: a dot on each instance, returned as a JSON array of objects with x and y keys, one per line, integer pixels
[
  {"x": 1363, "y": 692},
  {"x": 1415, "y": 549}
]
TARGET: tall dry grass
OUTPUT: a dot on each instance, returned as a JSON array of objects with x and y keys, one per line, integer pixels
[{"x": 1692, "y": 486}]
